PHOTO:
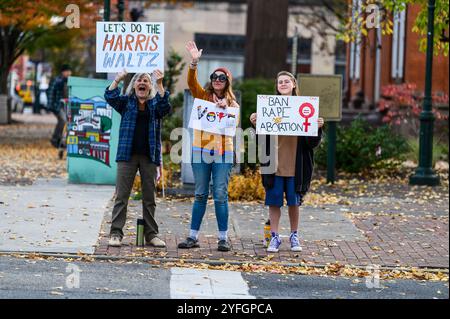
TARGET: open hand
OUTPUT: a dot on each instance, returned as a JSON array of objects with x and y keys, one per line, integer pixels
[
  {"x": 195, "y": 53},
  {"x": 158, "y": 76},
  {"x": 121, "y": 75},
  {"x": 320, "y": 122},
  {"x": 253, "y": 119}
]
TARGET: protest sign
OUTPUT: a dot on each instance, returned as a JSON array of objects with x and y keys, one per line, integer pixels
[
  {"x": 135, "y": 46},
  {"x": 287, "y": 115},
  {"x": 208, "y": 117}
]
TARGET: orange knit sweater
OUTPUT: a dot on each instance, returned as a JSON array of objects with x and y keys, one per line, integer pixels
[{"x": 204, "y": 141}]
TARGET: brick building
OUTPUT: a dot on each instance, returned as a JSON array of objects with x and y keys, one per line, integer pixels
[{"x": 381, "y": 60}]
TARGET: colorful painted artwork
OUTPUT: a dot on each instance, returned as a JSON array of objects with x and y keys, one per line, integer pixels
[
  {"x": 89, "y": 129},
  {"x": 208, "y": 117}
]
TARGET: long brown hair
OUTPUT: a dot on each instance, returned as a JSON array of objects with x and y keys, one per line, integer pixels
[
  {"x": 228, "y": 90},
  {"x": 295, "y": 90}
]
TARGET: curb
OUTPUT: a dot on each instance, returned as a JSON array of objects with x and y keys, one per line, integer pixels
[{"x": 210, "y": 262}]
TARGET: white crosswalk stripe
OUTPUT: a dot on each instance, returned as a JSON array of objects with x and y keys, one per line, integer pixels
[{"x": 187, "y": 283}]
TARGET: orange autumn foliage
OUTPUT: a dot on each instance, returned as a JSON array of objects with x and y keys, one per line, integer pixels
[
  {"x": 28, "y": 15},
  {"x": 247, "y": 186}
]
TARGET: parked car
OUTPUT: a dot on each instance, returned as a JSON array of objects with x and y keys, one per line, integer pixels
[{"x": 26, "y": 92}]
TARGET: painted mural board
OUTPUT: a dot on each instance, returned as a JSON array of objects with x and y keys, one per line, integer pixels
[{"x": 92, "y": 133}]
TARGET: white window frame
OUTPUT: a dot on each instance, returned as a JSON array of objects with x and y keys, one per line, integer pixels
[{"x": 398, "y": 45}]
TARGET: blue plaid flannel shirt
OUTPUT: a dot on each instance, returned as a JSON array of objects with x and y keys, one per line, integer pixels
[{"x": 127, "y": 107}]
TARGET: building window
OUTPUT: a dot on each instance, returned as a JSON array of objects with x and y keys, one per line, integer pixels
[
  {"x": 220, "y": 50},
  {"x": 304, "y": 54},
  {"x": 398, "y": 45},
  {"x": 340, "y": 62},
  {"x": 355, "y": 46}
]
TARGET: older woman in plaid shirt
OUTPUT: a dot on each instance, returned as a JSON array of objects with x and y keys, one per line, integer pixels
[{"x": 142, "y": 111}]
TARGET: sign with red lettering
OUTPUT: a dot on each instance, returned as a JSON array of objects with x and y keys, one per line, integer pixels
[
  {"x": 287, "y": 115},
  {"x": 208, "y": 117},
  {"x": 135, "y": 46}
]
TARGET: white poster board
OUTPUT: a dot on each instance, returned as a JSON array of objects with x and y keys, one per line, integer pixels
[
  {"x": 287, "y": 115},
  {"x": 135, "y": 46},
  {"x": 207, "y": 117}
]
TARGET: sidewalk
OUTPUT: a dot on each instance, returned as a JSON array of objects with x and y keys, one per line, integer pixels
[
  {"x": 52, "y": 216},
  {"x": 358, "y": 222},
  {"x": 395, "y": 228}
]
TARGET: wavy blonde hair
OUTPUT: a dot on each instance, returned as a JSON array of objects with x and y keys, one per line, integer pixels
[
  {"x": 130, "y": 89},
  {"x": 295, "y": 90}
]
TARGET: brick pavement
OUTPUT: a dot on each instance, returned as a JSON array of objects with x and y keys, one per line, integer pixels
[{"x": 389, "y": 240}]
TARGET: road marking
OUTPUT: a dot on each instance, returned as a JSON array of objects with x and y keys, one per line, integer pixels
[{"x": 186, "y": 283}]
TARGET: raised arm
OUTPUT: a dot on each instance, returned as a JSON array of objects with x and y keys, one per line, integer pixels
[
  {"x": 196, "y": 89},
  {"x": 161, "y": 100},
  {"x": 112, "y": 94}
]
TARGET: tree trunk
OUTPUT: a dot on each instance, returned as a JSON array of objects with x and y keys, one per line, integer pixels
[
  {"x": 266, "y": 45},
  {"x": 8, "y": 39},
  {"x": 4, "y": 79},
  {"x": 5, "y": 107}
]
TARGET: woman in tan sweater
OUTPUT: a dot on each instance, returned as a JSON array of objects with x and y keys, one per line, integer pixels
[{"x": 294, "y": 171}]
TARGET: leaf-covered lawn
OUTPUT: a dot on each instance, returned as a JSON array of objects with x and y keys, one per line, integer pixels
[{"x": 26, "y": 154}]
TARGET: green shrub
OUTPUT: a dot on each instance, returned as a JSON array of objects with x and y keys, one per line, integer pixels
[
  {"x": 361, "y": 146},
  {"x": 249, "y": 90}
]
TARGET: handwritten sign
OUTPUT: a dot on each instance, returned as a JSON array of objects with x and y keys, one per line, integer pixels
[
  {"x": 134, "y": 46},
  {"x": 287, "y": 115},
  {"x": 207, "y": 117}
]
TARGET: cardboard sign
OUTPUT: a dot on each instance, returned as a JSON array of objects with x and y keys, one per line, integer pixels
[
  {"x": 287, "y": 115},
  {"x": 135, "y": 46},
  {"x": 207, "y": 117}
]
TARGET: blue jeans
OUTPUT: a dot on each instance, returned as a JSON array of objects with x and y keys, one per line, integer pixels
[{"x": 220, "y": 175}]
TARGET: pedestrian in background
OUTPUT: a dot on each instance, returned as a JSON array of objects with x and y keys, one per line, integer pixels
[{"x": 57, "y": 93}]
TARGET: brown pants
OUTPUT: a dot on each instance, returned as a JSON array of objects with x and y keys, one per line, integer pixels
[{"x": 126, "y": 172}]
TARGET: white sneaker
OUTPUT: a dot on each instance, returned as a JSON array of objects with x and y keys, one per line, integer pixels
[
  {"x": 156, "y": 242},
  {"x": 115, "y": 241},
  {"x": 295, "y": 242}
]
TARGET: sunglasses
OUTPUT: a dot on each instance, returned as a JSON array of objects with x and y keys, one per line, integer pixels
[{"x": 221, "y": 77}]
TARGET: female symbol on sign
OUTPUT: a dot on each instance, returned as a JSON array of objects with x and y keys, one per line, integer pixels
[{"x": 306, "y": 111}]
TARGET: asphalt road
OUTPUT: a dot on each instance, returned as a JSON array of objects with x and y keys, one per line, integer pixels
[{"x": 29, "y": 279}]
